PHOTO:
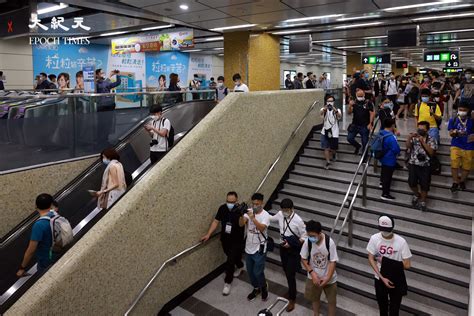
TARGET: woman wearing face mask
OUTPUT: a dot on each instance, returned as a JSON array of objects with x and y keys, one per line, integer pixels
[
  {"x": 385, "y": 112},
  {"x": 113, "y": 179}
]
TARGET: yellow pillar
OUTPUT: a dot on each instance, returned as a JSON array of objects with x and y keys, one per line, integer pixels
[
  {"x": 353, "y": 64},
  {"x": 256, "y": 58}
]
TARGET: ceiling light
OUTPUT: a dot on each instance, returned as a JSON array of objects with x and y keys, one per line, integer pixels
[
  {"x": 355, "y": 46},
  {"x": 219, "y": 48},
  {"x": 358, "y": 17},
  {"x": 192, "y": 50},
  {"x": 457, "y": 40},
  {"x": 291, "y": 25},
  {"x": 242, "y": 26},
  {"x": 52, "y": 8},
  {"x": 314, "y": 18},
  {"x": 291, "y": 32},
  {"x": 449, "y": 16},
  {"x": 375, "y": 37},
  {"x": 184, "y": 7},
  {"x": 413, "y": 6},
  {"x": 157, "y": 27},
  {"x": 213, "y": 39},
  {"x": 328, "y": 41},
  {"x": 451, "y": 31},
  {"x": 357, "y": 25},
  {"x": 113, "y": 33}
]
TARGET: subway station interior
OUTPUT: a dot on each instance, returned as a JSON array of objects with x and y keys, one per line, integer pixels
[{"x": 169, "y": 157}]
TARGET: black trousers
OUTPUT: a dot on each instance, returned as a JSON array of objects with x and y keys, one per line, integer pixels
[
  {"x": 105, "y": 125},
  {"x": 233, "y": 251},
  {"x": 156, "y": 156},
  {"x": 387, "y": 307},
  {"x": 290, "y": 260},
  {"x": 386, "y": 178}
]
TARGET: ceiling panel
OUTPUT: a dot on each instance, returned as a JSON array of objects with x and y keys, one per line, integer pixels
[
  {"x": 226, "y": 3},
  {"x": 340, "y": 8},
  {"x": 308, "y": 3},
  {"x": 255, "y": 7},
  {"x": 220, "y": 23},
  {"x": 144, "y": 3},
  {"x": 272, "y": 17},
  {"x": 172, "y": 8},
  {"x": 201, "y": 16}
]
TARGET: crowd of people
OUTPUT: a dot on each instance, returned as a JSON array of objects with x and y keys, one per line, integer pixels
[{"x": 310, "y": 81}]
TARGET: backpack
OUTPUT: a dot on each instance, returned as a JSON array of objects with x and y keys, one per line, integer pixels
[
  {"x": 170, "y": 137},
  {"x": 327, "y": 239},
  {"x": 61, "y": 232},
  {"x": 377, "y": 146}
]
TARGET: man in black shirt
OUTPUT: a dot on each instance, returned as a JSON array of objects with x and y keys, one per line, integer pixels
[
  {"x": 359, "y": 84},
  {"x": 362, "y": 120},
  {"x": 288, "y": 83},
  {"x": 232, "y": 238}
]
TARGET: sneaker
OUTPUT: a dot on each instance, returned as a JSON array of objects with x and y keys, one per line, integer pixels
[
  {"x": 265, "y": 293},
  {"x": 422, "y": 206},
  {"x": 454, "y": 187},
  {"x": 356, "y": 151},
  {"x": 237, "y": 272},
  {"x": 380, "y": 185},
  {"x": 387, "y": 197},
  {"x": 414, "y": 201},
  {"x": 334, "y": 157},
  {"x": 462, "y": 186},
  {"x": 226, "y": 290},
  {"x": 253, "y": 295},
  {"x": 327, "y": 165}
]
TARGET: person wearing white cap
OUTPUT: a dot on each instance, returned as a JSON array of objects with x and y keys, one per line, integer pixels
[{"x": 389, "y": 256}]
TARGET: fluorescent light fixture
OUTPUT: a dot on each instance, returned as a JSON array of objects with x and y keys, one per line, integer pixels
[
  {"x": 375, "y": 37},
  {"x": 420, "y": 5},
  {"x": 220, "y": 54},
  {"x": 451, "y": 31},
  {"x": 314, "y": 18},
  {"x": 457, "y": 40},
  {"x": 113, "y": 33},
  {"x": 213, "y": 39},
  {"x": 52, "y": 8},
  {"x": 291, "y": 32},
  {"x": 354, "y": 46},
  {"x": 184, "y": 7},
  {"x": 192, "y": 50},
  {"x": 328, "y": 41},
  {"x": 357, "y": 25},
  {"x": 219, "y": 48},
  {"x": 242, "y": 26},
  {"x": 359, "y": 17},
  {"x": 157, "y": 27},
  {"x": 291, "y": 25},
  {"x": 448, "y": 16}
]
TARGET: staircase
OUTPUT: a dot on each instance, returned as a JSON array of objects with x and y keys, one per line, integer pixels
[{"x": 440, "y": 238}]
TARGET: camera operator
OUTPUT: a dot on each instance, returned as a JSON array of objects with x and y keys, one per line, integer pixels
[
  {"x": 330, "y": 132},
  {"x": 421, "y": 147},
  {"x": 257, "y": 221},
  {"x": 429, "y": 111},
  {"x": 158, "y": 129},
  {"x": 232, "y": 237},
  {"x": 292, "y": 234}
]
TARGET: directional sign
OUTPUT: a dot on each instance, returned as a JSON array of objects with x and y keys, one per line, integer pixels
[
  {"x": 376, "y": 59},
  {"x": 453, "y": 70},
  {"x": 441, "y": 56},
  {"x": 452, "y": 64}
]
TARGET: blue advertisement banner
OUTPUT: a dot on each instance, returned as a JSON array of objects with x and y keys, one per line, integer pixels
[{"x": 165, "y": 63}]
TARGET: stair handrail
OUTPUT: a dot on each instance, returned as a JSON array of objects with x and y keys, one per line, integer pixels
[
  {"x": 471, "y": 280},
  {"x": 366, "y": 164},
  {"x": 187, "y": 250}
]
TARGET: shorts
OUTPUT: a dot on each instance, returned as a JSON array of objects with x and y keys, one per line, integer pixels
[
  {"x": 418, "y": 175},
  {"x": 313, "y": 292},
  {"x": 461, "y": 157},
  {"x": 329, "y": 143}
]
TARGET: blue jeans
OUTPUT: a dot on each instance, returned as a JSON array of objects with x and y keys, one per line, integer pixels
[
  {"x": 364, "y": 134},
  {"x": 255, "y": 269},
  {"x": 434, "y": 133}
]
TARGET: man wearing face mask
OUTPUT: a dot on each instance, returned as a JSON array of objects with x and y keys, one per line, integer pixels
[
  {"x": 221, "y": 90},
  {"x": 232, "y": 238},
  {"x": 362, "y": 121},
  {"x": 461, "y": 129},
  {"x": 256, "y": 221},
  {"x": 392, "y": 90},
  {"x": 385, "y": 112},
  {"x": 429, "y": 111},
  {"x": 389, "y": 256},
  {"x": 239, "y": 85},
  {"x": 293, "y": 234},
  {"x": 158, "y": 129},
  {"x": 465, "y": 94},
  {"x": 420, "y": 147},
  {"x": 379, "y": 89},
  {"x": 330, "y": 132},
  {"x": 319, "y": 257}
]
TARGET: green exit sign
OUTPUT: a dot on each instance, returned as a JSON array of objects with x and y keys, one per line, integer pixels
[
  {"x": 372, "y": 60},
  {"x": 376, "y": 59},
  {"x": 443, "y": 56}
]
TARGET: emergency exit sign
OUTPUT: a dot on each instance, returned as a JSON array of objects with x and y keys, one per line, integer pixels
[
  {"x": 376, "y": 59},
  {"x": 446, "y": 56}
]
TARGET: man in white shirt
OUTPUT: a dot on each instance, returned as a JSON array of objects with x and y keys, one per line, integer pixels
[
  {"x": 319, "y": 257},
  {"x": 239, "y": 85},
  {"x": 194, "y": 85},
  {"x": 158, "y": 129},
  {"x": 257, "y": 221},
  {"x": 387, "y": 248},
  {"x": 325, "y": 83},
  {"x": 391, "y": 89},
  {"x": 292, "y": 236},
  {"x": 330, "y": 132}
]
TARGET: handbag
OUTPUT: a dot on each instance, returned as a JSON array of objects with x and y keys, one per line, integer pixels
[
  {"x": 270, "y": 243},
  {"x": 435, "y": 165},
  {"x": 293, "y": 241}
]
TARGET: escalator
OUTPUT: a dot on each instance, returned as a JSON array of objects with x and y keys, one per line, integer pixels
[{"x": 79, "y": 207}]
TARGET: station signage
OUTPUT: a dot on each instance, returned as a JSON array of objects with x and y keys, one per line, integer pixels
[
  {"x": 376, "y": 59},
  {"x": 453, "y": 70},
  {"x": 441, "y": 56},
  {"x": 452, "y": 64}
]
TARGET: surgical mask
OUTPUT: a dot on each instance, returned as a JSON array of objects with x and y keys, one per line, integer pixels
[
  {"x": 468, "y": 76},
  {"x": 286, "y": 214},
  {"x": 462, "y": 113},
  {"x": 436, "y": 99},
  {"x": 220, "y": 84},
  {"x": 388, "y": 105},
  {"x": 230, "y": 205},
  {"x": 386, "y": 234},
  {"x": 425, "y": 99},
  {"x": 426, "y": 79},
  {"x": 313, "y": 240},
  {"x": 360, "y": 99},
  {"x": 421, "y": 132},
  {"x": 256, "y": 209},
  {"x": 106, "y": 161},
  {"x": 366, "y": 75},
  {"x": 457, "y": 86}
]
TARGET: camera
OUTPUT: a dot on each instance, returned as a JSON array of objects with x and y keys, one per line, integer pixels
[
  {"x": 153, "y": 142},
  {"x": 328, "y": 133},
  {"x": 421, "y": 157},
  {"x": 241, "y": 209},
  {"x": 329, "y": 106}
]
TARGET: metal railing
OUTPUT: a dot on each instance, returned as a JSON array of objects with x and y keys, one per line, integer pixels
[
  {"x": 188, "y": 250},
  {"x": 365, "y": 162},
  {"x": 471, "y": 280}
]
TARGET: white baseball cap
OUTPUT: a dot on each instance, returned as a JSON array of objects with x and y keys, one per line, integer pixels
[{"x": 386, "y": 224}]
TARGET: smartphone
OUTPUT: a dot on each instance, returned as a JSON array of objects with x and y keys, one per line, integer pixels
[{"x": 92, "y": 192}]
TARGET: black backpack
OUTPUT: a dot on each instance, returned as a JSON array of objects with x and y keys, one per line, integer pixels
[
  {"x": 326, "y": 241},
  {"x": 170, "y": 138}
]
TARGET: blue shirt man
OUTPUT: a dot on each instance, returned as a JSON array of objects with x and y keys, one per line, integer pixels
[{"x": 389, "y": 160}]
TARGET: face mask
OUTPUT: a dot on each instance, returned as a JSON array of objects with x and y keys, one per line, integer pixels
[
  {"x": 106, "y": 161},
  {"x": 468, "y": 77},
  {"x": 366, "y": 75},
  {"x": 436, "y": 99},
  {"x": 230, "y": 205},
  {"x": 256, "y": 209},
  {"x": 286, "y": 214},
  {"x": 421, "y": 132},
  {"x": 388, "y": 105},
  {"x": 220, "y": 84},
  {"x": 386, "y": 234},
  {"x": 462, "y": 113},
  {"x": 360, "y": 99},
  {"x": 457, "y": 86},
  {"x": 425, "y": 99},
  {"x": 392, "y": 77},
  {"x": 426, "y": 80},
  {"x": 313, "y": 240}
]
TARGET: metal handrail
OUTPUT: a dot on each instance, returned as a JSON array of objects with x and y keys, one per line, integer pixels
[
  {"x": 349, "y": 189},
  {"x": 173, "y": 259}
]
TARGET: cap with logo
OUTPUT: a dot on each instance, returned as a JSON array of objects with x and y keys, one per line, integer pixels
[{"x": 386, "y": 223}]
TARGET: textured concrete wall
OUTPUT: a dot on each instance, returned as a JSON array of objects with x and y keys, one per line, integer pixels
[
  {"x": 16, "y": 62},
  {"x": 231, "y": 149},
  {"x": 18, "y": 190},
  {"x": 264, "y": 62}
]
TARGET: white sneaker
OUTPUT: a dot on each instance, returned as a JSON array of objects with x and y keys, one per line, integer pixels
[
  {"x": 226, "y": 290},
  {"x": 237, "y": 272}
]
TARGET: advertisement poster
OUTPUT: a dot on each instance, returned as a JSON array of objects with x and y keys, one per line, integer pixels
[
  {"x": 70, "y": 59},
  {"x": 164, "y": 64},
  {"x": 88, "y": 73},
  {"x": 202, "y": 66},
  {"x": 153, "y": 43}
]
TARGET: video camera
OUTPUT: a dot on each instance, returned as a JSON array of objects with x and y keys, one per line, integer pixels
[{"x": 242, "y": 208}]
